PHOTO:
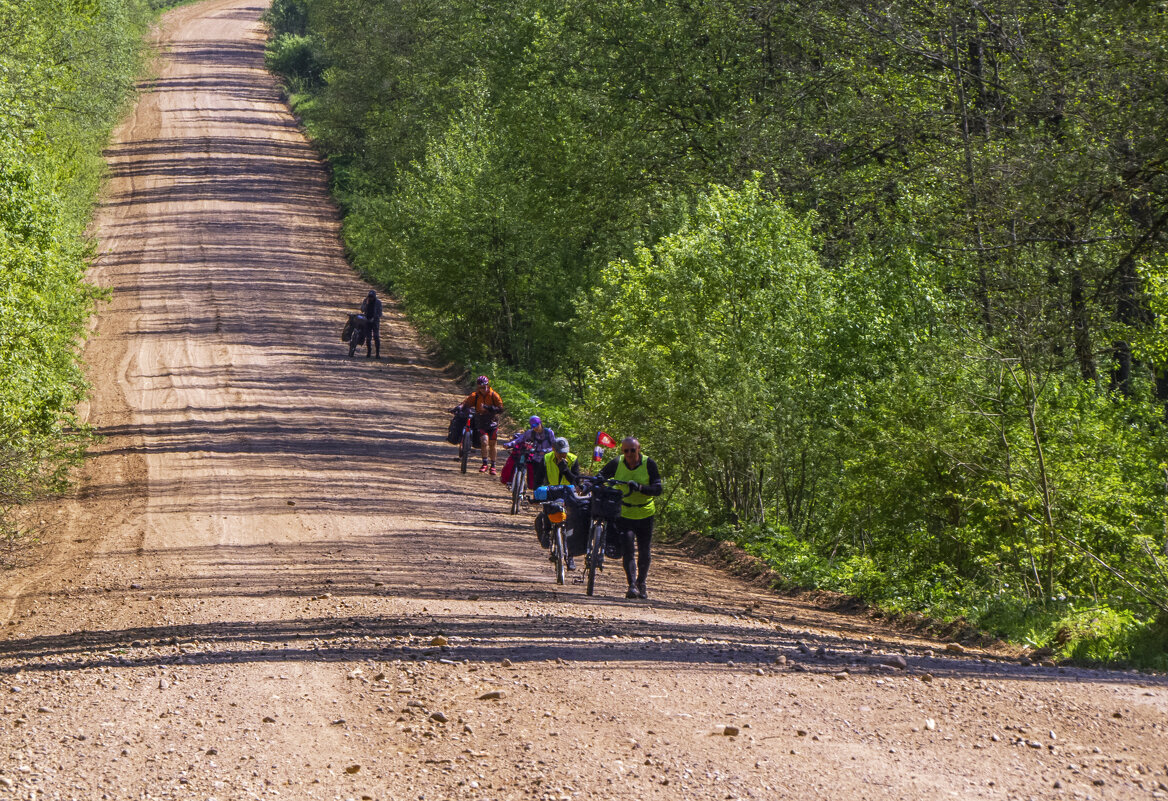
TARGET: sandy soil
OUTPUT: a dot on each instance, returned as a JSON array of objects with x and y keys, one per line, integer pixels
[{"x": 273, "y": 581}]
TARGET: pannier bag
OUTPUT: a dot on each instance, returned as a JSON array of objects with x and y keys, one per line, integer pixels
[
  {"x": 552, "y": 492},
  {"x": 360, "y": 329},
  {"x": 555, "y": 512},
  {"x": 606, "y": 502},
  {"x": 456, "y": 425},
  {"x": 541, "y": 531},
  {"x": 347, "y": 332}
]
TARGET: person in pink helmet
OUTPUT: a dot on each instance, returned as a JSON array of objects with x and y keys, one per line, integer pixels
[{"x": 487, "y": 405}]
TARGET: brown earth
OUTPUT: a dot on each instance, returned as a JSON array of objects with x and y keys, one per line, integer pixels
[{"x": 242, "y": 598}]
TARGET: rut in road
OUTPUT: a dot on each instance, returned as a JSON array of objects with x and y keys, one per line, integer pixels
[{"x": 272, "y": 578}]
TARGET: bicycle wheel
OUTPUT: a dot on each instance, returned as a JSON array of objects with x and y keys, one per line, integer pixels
[
  {"x": 595, "y": 555},
  {"x": 560, "y": 552},
  {"x": 516, "y": 488},
  {"x": 464, "y": 449}
]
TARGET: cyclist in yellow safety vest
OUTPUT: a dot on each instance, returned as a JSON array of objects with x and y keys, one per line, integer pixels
[
  {"x": 635, "y": 524},
  {"x": 560, "y": 465},
  {"x": 559, "y": 469}
]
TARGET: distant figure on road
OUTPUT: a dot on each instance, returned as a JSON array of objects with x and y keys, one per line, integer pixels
[{"x": 371, "y": 308}]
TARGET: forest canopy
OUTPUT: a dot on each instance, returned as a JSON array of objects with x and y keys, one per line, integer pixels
[{"x": 883, "y": 287}]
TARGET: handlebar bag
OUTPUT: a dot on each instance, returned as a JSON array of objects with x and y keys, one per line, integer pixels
[{"x": 606, "y": 502}]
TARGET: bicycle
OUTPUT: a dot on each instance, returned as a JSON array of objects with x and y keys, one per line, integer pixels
[
  {"x": 466, "y": 442},
  {"x": 519, "y": 477},
  {"x": 604, "y": 508},
  {"x": 554, "y": 511}
]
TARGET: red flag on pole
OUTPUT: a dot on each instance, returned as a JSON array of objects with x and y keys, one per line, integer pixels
[{"x": 602, "y": 441}]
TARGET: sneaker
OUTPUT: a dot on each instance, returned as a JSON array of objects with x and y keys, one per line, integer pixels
[
  {"x": 492, "y": 470},
  {"x": 484, "y": 468},
  {"x": 632, "y": 593},
  {"x": 642, "y": 593}
]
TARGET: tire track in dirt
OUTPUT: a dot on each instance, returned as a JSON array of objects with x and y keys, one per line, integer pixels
[{"x": 272, "y": 578}]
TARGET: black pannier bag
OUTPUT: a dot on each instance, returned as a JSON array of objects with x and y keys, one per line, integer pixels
[
  {"x": 606, "y": 502},
  {"x": 456, "y": 425}
]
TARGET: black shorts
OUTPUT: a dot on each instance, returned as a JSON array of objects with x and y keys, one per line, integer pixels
[
  {"x": 491, "y": 430},
  {"x": 643, "y": 526}
]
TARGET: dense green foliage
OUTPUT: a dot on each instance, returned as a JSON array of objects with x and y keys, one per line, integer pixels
[
  {"x": 65, "y": 70},
  {"x": 884, "y": 288}
]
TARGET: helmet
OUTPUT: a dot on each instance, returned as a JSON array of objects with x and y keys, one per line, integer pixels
[
  {"x": 534, "y": 421},
  {"x": 561, "y": 445},
  {"x": 372, "y": 294},
  {"x": 482, "y": 379}
]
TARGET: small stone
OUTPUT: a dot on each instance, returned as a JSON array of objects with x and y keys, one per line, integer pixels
[
  {"x": 1057, "y": 785},
  {"x": 466, "y": 729},
  {"x": 338, "y": 722},
  {"x": 135, "y": 586},
  {"x": 269, "y": 719},
  {"x": 506, "y": 662},
  {"x": 996, "y": 738},
  {"x": 137, "y": 644},
  {"x": 930, "y": 724},
  {"x": 352, "y": 769},
  {"x": 5, "y": 781},
  {"x": 1097, "y": 782},
  {"x": 44, "y": 710},
  {"x": 780, "y": 660},
  {"x": 758, "y": 671},
  {"x": 491, "y": 695},
  {"x": 438, "y": 717},
  {"x": 1117, "y": 714},
  {"x": 954, "y": 648},
  {"x": 841, "y": 676},
  {"x": 730, "y": 731},
  {"x": 894, "y": 661},
  {"x": 163, "y": 684},
  {"x": 926, "y": 677},
  {"x": 1053, "y": 736},
  {"x": 439, "y": 640},
  {"x": 212, "y": 752}
]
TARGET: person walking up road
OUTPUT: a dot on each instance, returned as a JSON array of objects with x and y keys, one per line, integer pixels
[
  {"x": 371, "y": 308},
  {"x": 486, "y": 404},
  {"x": 635, "y": 525}
]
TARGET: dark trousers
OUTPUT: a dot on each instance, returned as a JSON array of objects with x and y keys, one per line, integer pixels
[
  {"x": 639, "y": 532},
  {"x": 373, "y": 337}
]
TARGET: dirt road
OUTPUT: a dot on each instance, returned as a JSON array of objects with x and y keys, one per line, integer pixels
[{"x": 274, "y": 582}]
